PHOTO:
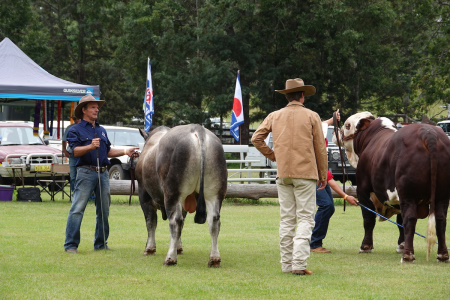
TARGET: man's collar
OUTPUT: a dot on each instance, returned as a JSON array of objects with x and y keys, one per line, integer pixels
[
  {"x": 85, "y": 123},
  {"x": 295, "y": 103}
]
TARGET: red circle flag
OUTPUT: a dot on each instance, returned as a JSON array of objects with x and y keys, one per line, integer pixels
[{"x": 237, "y": 108}]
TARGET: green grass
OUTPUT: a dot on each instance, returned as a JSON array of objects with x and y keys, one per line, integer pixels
[{"x": 33, "y": 264}]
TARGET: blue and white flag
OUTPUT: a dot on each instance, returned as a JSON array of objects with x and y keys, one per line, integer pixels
[
  {"x": 237, "y": 115},
  {"x": 149, "y": 109}
]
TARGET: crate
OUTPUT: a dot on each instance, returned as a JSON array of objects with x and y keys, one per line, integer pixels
[{"x": 6, "y": 193}]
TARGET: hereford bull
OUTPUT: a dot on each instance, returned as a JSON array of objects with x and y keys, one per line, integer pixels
[
  {"x": 181, "y": 170},
  {"x": 410, "y": 168}
]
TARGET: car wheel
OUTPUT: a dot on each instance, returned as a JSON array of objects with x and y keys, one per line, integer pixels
[{"x": 116, "y": 173}]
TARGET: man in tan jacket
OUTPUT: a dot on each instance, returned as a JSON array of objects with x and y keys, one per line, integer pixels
[{"x": 300, "y": 152}]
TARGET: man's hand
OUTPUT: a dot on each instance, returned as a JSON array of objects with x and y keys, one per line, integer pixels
[
  {"x": 95, "y": 143},
  {"x": 321, "y": 185},
  {"x": 338, "y": 115},
  {"x": 131, "y": 150},
  {"x": 352, "y": 200}
]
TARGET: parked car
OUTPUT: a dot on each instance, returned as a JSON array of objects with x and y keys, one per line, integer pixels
[
  {"x": 122, "y": 138},
  {"x": 445, "y": 125},
  {"x": 21, "y": 151},
  {"x": 334, "y": 160}
]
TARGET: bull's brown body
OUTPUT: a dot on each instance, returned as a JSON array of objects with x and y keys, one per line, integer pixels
[{"x": 412, "y": 166}]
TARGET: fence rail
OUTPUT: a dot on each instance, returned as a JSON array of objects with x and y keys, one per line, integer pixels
[{"x": 245, "y": 166}]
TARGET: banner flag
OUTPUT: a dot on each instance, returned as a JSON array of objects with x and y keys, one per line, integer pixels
[
  {"x": 148, "y": 100},
  {"x": 237, "y": 115}
]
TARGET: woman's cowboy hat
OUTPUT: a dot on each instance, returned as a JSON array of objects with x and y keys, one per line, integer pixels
[
  {"x": 297, "y": 85},
  {"x": 83, "y": 101}
]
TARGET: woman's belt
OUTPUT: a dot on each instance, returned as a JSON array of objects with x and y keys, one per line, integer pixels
[{"x": 95, "y": 168}]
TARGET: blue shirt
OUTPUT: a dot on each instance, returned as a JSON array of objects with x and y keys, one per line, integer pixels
[{"x": 82, "y": 134}]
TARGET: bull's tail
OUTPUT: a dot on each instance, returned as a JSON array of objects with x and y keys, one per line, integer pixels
[
  {"x": 200, "y": 215},
  {"x": 430, "y": 140}
]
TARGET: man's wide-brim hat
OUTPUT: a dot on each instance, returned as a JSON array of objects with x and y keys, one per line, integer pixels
[
  {"x": 297, "y": 85},
  {"x": 83, "y": 102}
]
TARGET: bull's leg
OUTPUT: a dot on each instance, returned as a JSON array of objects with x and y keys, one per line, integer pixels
[
  {"x": 213, "y": 217},
  {"x": 409, "y": 214},
  {"x": 369, "y": 224},
  {"x": 175, "y": 224},
  {"x": 150, "y": 220},
  {"x": 441, "y": 225},
  {"x": 401, "y": 236},
  {"x": 179, "y": 243}
]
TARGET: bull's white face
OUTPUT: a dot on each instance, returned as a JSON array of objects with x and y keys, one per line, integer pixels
[{"x": 348, "y": 129}]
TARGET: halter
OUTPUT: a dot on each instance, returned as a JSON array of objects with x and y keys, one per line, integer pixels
[{"x": 336, "y": 132}]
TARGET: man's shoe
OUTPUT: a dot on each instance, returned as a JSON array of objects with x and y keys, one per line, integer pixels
[
  {"x": 107, "y": 248},
  {"x": 320, "y": 250},
  {"x": 72, "y": 250},
  {"x": 302, "y": 272}
]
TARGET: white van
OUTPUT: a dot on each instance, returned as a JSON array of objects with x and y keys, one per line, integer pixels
[
  {"x": 445, "y": 125},
  {"x": 122, "y": 138}
]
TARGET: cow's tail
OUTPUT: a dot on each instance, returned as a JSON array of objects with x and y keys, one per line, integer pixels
[
  {"x": 430, "y": 141},
  {"x": 200, "y": 215}
]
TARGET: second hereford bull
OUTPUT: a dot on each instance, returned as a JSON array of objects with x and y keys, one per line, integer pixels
[{"x": 409, "y": 167}]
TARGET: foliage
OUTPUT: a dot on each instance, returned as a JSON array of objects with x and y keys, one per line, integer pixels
[{"x": 380, "y": 55}]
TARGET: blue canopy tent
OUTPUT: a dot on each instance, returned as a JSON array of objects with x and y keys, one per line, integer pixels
[
  {"x": 22, "y": 78},
  {"x": 22, "y": 82}
]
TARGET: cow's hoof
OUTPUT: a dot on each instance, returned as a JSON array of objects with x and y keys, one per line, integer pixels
[
  {"x": 366, "y": 249},
  {"x": 149, "y": 251},
  {"x": 214, "y": 262},
  {"x": 170, "y": 262},
  {"x": 180, "y": 251},
  {"x": 408, "y": 259},
  {"x": 400, "y": 247},
  {"x": 443, "y": 258}
]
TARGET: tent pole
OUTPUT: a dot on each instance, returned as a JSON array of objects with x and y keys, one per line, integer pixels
[{"x": 62, "y": 130}]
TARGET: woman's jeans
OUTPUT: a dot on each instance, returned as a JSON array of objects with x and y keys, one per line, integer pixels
[
  {"x": 85, "y": 184},
  {"x": 324, "y": 200}
]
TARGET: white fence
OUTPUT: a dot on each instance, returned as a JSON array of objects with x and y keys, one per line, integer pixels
[{"x": 246, "y": 165}]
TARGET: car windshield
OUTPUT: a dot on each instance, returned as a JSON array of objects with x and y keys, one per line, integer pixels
[
  {"x": 445, "y": 127},
  {"x": 18, "y": 136},
  {"x": 125, "y": 137},
  {"x": 330, "y": 136}
]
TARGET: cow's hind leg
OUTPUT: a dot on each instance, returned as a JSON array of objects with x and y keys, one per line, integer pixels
[
  {"x": 401, "y": 237},
  {"x": 409, "y": 214},
  {"x": 441, "y": 224},
  {"x": 213, "y": 217},
  {"x": 151, "y": 220},
  {"x": 176, "y": 222},
  {"x": 179, "y": 243}
]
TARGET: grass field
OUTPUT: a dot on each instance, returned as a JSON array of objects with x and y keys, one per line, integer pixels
[{"x": 33, "y": 264}]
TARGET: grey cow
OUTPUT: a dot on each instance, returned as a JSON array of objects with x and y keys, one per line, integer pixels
[{"x": 182, "y": 170}]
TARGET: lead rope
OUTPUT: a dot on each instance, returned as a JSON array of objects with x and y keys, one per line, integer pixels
[
  {"x": 132, "y": 174},
  {"x": 336, "y": 125}
]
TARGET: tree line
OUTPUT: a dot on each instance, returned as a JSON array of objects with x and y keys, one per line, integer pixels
[{"x": 387, "y": 56}]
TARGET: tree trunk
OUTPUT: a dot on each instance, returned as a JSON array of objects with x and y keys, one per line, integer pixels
[{"x": 249, "y": 191}]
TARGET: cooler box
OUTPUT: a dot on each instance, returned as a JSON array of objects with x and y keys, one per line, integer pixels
[{"x": 6, "y": 193}]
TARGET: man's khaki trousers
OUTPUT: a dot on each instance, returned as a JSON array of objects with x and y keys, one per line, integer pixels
[{"x": 297, "y": 199}]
